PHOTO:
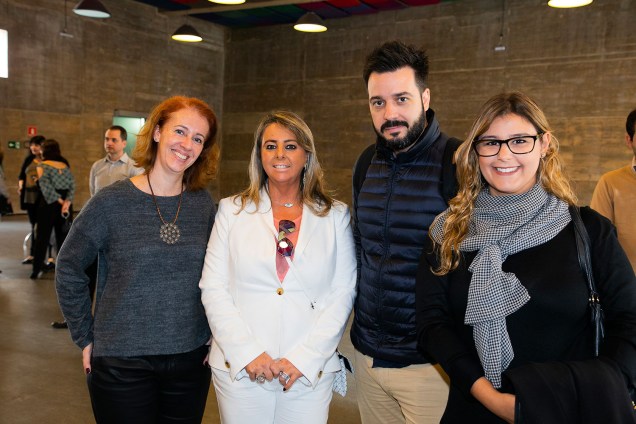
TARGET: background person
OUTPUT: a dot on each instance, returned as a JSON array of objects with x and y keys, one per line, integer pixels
[
  {"x": 5, "y": 200},
  {"x": 57, "y": 185},
  {"x": 116, "y": 165},
  {"x": 278, "y": 283},
  {"x": 502, "y": 301},
  {"x": 615, "y": 195},
  {"x": 28, "y": 188},
  {"x": 144, "y": 349}
]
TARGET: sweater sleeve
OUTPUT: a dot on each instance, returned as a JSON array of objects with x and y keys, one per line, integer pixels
[
  {"x": 71, "y": 186},
  {"x": 602, "y": 200},
  {"x": 79, "y": 250},
  {"x": 436, "y": 328}
]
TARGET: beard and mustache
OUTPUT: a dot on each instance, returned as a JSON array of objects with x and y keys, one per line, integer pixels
[{"x": 412, "y": 135}]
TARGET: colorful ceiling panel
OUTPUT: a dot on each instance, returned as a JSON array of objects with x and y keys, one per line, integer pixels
[{"x": 275, "y": 12}]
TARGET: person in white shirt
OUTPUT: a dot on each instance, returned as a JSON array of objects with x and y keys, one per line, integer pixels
[{"x": 116, "y": 165}]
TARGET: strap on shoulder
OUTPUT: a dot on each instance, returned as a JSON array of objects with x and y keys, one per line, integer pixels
[{"x": 361, "y": 167}]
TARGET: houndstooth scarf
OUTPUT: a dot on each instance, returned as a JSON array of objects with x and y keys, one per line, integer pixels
[{"x": 501, "y": 226}]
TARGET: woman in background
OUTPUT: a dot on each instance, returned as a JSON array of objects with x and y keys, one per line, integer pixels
[
  {"x": 5, "y": 200},
  {"x": 278, "y": 283},
  {"x": 28, "y": 188},
  {"x": 502, "y": 301},
  {"x": 144, "y": 349},
  {"x": 57, "y": 185}
]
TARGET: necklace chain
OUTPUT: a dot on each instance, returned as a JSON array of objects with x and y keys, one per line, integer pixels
[
  {"x": 169, "y": 232},
  {"x": 285, "y": 204}
]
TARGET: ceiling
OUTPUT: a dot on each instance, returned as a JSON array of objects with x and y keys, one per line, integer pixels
[{"x": 275, "y": 12}]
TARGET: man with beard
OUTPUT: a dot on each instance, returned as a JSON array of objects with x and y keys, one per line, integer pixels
[
  {"x": 615, "y": 195},
  {"x": 398, "y": 190}
]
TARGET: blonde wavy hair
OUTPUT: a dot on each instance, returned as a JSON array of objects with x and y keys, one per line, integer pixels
[
  {"x": 197, "y": 176},
  {"x": 551, "y": 174},
  {"x": 314, "y": 193}
]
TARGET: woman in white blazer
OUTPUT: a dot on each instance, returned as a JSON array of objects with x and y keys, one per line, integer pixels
[{"x": 278, "y": 283}]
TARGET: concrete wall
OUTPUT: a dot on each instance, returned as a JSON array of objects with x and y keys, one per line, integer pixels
[
  {"x": 579, "y": 64},
  {"x": 69, "y": 87}
]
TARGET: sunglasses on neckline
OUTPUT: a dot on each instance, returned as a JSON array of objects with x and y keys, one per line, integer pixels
[{"x": 284, "y": 246}]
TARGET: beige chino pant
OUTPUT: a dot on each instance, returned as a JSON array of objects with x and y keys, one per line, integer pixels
[{"x": 416, "y": 394}]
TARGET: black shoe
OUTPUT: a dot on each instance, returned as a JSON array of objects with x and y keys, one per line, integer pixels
[
  {"x": 27, "y": 261},
  {"x": 57, "y": 324},
  {"x": 35, "y": 275},
  {"x": 49, "y": 266}
]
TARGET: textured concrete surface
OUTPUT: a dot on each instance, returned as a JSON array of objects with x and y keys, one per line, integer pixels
[
  {"x": 69, "y": 88},
  {"x": 579, "y": 64},
  {"x": 41, "y": 376}
]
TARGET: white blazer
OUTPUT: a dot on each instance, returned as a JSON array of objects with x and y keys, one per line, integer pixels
[{"x": 251, "y": 312}]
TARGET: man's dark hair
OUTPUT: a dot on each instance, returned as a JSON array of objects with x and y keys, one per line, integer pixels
[
  {"x": 630, "y": 124},
  {"x": 122, "y": 131},
  {"x": 394, "y": 55}
]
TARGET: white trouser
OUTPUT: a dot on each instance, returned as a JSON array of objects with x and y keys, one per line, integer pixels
[{"x": 248, "y": 402}]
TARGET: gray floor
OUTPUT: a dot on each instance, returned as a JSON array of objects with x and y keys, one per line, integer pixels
[{"x": 41, "y": 376}]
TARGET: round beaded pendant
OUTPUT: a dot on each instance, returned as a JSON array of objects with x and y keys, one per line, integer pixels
[{"x": 169, "y": 233}]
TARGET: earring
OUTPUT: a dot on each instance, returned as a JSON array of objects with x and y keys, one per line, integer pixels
[
  {"x": 304, "y": 174},
  {"x": 542, "y": 155}
]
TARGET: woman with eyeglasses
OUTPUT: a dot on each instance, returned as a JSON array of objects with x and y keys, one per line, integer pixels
[
  {"x": 278, "y": 283},
  {"x": 502, "y": 300}
]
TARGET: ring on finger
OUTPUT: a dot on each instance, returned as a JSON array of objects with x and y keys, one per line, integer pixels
[
  {"x": 260, "y": 379},
  {"x": 284, "y": 376}
]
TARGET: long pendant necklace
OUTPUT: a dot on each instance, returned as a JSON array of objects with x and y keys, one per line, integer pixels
[{"x": 169, "y": 232}]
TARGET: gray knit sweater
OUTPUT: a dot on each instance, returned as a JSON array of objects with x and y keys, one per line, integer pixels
[{"x": 148, "y": 300}]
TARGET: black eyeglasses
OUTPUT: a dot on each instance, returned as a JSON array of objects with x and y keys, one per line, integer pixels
[
  {"x": 519, "y": 145},
  {"x": 284, "y": 246}
]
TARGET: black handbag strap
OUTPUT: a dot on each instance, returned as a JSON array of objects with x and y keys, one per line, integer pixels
[{"x": 583, "y": 250}]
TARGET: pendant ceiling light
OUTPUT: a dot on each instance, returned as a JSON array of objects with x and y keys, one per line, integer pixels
[
  {"x": 227, "y": 1},
  {"x": 187, "y": 33},
  {"x": 563, "y": 4},
  {"x": 91, "y": 9},
  {"x": 310, "y": 22}
]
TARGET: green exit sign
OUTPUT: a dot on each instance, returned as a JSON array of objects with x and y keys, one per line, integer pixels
[{"x": 14, "y": 144}]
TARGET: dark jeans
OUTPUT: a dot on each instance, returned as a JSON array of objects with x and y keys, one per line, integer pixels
[
  {"x": 49, "y": 218},
  {"x": 156, "y": 389}
]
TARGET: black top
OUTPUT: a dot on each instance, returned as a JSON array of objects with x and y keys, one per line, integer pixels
[{"x": 553, "y": 326}]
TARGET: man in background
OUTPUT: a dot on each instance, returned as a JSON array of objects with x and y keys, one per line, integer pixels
[
  {"x": 116, "y": 165},
  {"x": 615, "y": 195}
]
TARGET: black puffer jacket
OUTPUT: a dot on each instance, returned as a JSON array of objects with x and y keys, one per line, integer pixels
[{"x": 400, "y": 197}]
